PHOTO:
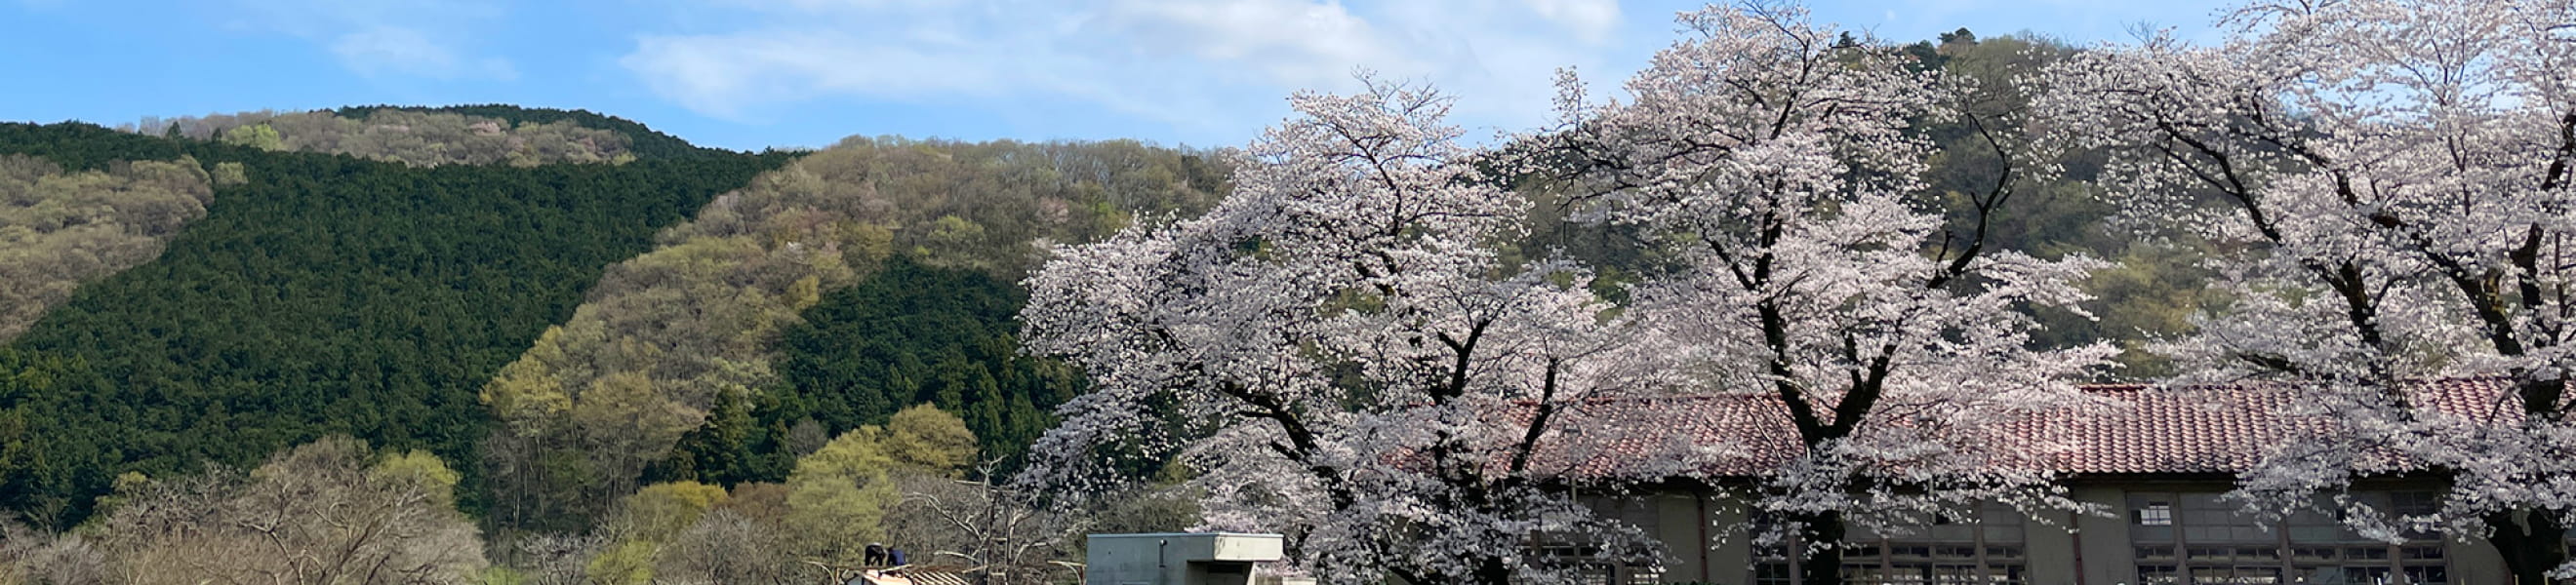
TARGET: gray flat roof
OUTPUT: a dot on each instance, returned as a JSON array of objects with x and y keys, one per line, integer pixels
[{"x": 1185, "y": 534}]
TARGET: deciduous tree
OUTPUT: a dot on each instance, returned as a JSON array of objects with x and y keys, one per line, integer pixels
[
  {"x": 330, "y": 512},
  {"x": 2397, "y": 180},
  {"x": 1343, "y": 326},
  {"x": 1780, "y": 163}
]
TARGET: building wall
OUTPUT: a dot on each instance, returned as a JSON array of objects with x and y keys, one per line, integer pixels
[{"x": 2183, "y": 531}]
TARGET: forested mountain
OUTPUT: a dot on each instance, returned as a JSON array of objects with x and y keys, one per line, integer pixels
[
  {"x": 321, "y": 294},
  {"x": 620, "y": 341},
  {"x": 59, "y": 230},
  {"x": 643, "y": 141},
  {"x": 669, "y": 337},
  {"x": 435, "y": 136}
]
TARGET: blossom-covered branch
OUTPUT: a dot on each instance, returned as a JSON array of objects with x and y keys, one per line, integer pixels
[
  {"x": 1346, "y": 332},
  {"x": 2395, "y": 175},
  {"x": 1781, "y": 162}
]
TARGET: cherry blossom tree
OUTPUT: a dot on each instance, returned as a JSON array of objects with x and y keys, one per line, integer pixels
[
  {"x": 1348, "y": 341},
  {"x": 1780, "y": 162},
  {"x": 2395, "y": 178}
]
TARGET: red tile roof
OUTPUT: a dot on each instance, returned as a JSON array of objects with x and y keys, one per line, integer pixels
[{"x": 2148, "y": 430}]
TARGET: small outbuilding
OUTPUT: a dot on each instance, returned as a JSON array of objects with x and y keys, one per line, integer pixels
[{"x": 1180, "y": 558}]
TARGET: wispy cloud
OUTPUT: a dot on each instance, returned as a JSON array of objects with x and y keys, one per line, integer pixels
[
  {"x": 391, "y": 50},
  {"x": 411, "y": 38},
  {"x": 1206, "y": 65}
]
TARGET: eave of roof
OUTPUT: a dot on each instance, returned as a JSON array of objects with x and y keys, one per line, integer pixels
[{"x": 2175, "y": 432}]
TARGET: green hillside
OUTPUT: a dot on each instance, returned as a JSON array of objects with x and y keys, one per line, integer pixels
[
  {"x": 644, "y": 141},
  {"x": 324, "y": 294},
  {"x": 821, "y": 297}
]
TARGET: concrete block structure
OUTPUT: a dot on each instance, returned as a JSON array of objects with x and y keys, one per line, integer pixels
[{"x": 1209, "y": 558}]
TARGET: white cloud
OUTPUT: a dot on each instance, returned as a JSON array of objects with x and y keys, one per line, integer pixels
[
  {"x": 1593, "y": 19},
  {"x": 722, "y": 74},
  {"x": 396, "y": 50},
  {"x": 1208, "y": 67},
  {"x": 415, "y": 38},
  {"x": 1292, "y": 42}
]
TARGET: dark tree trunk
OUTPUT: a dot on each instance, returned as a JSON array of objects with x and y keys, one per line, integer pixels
[
  {"x": 2530, "y": 545},
  {"x": 1492, "y": 571},
  {"x": 1819, "y": 565}
]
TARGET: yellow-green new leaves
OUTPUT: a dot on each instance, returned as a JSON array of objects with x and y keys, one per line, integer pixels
[
  {"x": 59, "y": 230},
  {"x": 648, "y": 527},
  {"x": 420, "y": 139},
  {"x": 630, "y": 563},
  {"x": 418, "y": 468},
  {"x": 837, "y": 497},
  {"x": 930, "y": 439},
  {"x": 260, "y": 136},
  {"x": 699, "y": 317},
  {"x": 660, "y": 511}
]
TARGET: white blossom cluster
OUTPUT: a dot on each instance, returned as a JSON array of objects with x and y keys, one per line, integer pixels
[
  {"x": 1355, "y": 363},
  {"x": 1778, "y": 158},
  {"x": 1344, "y": 330},
  {"x": 2392, "y": 178}
]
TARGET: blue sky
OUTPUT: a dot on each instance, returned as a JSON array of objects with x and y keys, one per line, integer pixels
[{"x": 747, "y": 74}]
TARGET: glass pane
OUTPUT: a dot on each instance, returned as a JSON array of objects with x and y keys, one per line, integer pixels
[{"x": 2158, "y": 575}]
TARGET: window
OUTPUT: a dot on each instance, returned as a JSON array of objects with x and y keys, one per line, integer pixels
[
  {"x": 2004, "y": 573},
  {"x": 2236, "y": 575},
  {"x": 2428, "y": 575},
  {"x": 1595, "y": 573},
  {"x": 1979, "y": 547},
  {"x": 2193, "y": 538},
  {"x": 1642, "y": 575},
  {"x": 1866, "y": 573},
  {"x": 1586, "y": 562},
  {"x": 2414, "y": 503},
  {"x": 2153, "y": 514},
  {"x": 1771, "y": 574}
]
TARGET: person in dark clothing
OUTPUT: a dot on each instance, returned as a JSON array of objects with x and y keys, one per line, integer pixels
[
  {"x": 895, "y": 556},
  {"x": 876, "y": 555}
]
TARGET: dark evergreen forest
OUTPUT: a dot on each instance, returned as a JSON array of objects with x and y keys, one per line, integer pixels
[{"x": 324, "y": 295}]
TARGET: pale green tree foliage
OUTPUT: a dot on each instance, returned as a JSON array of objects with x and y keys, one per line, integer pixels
[
  {"x": 59, "y": 230},
  {"x": 260, "y": 136},
  {"x": 230, "y": 173},
  {"x": 409, "y": 137},
  {"x": 646, "y": 525},
  {"x": 929, "y": 440},
  {"x": 698, "y": 317},
  {"x": 837, "y": 497},
  {"x": 660, "y": 511},
  {"x": 627, "y": 563}
]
